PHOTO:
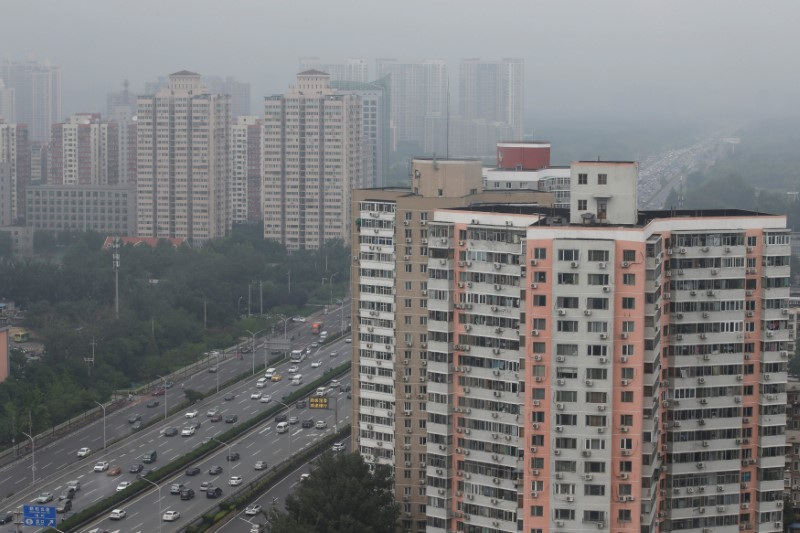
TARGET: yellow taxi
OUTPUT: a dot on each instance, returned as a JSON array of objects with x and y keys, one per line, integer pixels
[{"x": 276, "y": 377}]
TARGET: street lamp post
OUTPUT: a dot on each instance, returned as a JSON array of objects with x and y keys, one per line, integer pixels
[
  {"x": 290, "y": 430},
  {"x": 156, "y": 485},
  {"x": 103, "y": 407},
  {"x": 254, "y": 349},
  {"x": 165, "y": 396},
  {"x": 341, "y": 316},
  {"x": 239, "y": 307},
  {"x": 230, "y": 453},
  {"x": 33, "y": 457},
  {"x": 330, "y": 286}
]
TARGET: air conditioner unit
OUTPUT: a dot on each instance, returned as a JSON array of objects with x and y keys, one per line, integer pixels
[
  {"x": 589, "y": 382},
  {"x": 623, "y": 429},
  {"x": 560, "y": 359},
  {"x": 556, "y": 452},
  {"x": 624, "y": 335},
  {"x": 604, "y": 336},
  {"x": 606, "y": 288},
  {"x": 561, "y": 382},
  {"x": 588, "y": 477},
  {"x": 535, "y": 332},
  {"x": 603, "y": 360},
  {"x": 587, "y": 312},
  {"x": 574, "y": 264},
  {"x": 623, "y": 359},
  {"x": 559, "y": 428},
  {"x": 626, "y": 264},
  {"x": 562, "y": 312}
]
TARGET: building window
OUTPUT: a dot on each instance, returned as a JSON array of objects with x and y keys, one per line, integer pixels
[
  {"x": 628, "y": 326},
  {"x": 539, "y": 300},
  {"x": 602, "y": 179},
  {"x": 626, "y": 396},
  {"x": 629, "y": 303},
  {"x": 540, "y": 253},
  {"x": 598, "y": 255},
  {"x": 629, "y": 255},
  {"x": 568, "y": 255},
  {"x": 582, "y": 205},
  {"x": 629, "y": 279},
  {"x": 583, "y": 179}
]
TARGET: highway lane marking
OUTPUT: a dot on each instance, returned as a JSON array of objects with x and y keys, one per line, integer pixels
[{"x": 249, "y": 445}]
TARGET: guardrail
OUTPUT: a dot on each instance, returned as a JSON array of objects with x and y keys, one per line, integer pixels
[{"x": 82, "y": 518}]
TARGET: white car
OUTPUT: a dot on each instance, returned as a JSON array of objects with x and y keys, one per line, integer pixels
[
  {"x": 321, "y": 424},
  {"x": 266, "y": 398},
  {"x": 213, "y": 411},
  {"x": 235, "y": 480},
  {"x": 187, "y": 431},
  {"x": 83, "y": 452},
  {"x": 338, "y": 447},
  {"x": 298, "y": 319},
  {"x": 170, "y": 516},
  {"x": 316, "y": 364},
  {"x": 101, "y": 466},
  {"x": 293, "y": 369},
  {"x": 252, "y": 510},
  {"x": 255, "y": 396},
  {"x": 304, "y": 477},
  {"x": 123, "y": 485},
  {"x": 348, "y": 340},
  {"x": 118, "y": 514},
  {"x": 192, "y": 414}
]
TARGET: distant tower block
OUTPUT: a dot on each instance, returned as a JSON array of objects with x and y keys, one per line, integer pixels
[{"x": 733, "y": 141}]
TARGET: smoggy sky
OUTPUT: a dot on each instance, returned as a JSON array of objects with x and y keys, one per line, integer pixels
[{"x": 721, "y": 59}]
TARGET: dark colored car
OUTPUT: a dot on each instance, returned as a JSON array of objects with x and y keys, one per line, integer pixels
[
  {"x": 152, "y": 403},
  {"x": 215, "y": 470},
  {"x": 136, "y": 468},
  {"x": 194, "y": 424},
  {"x": 64, "y": 507},
  {"x": 280, "y": 418},
  {"x": 136, "y": 426},
  {"x": 231, "y": 419},
  {"x": 67, "y": 494},
  {"x": 187, "y": 494},
  {"x": 144, "y": 473},
  {"x": 170, "y": 431},
  {"x": 134, "y": 418},
  {"x": 233, "y": 456},
  {"x": 169, "y": 384},
  {"x": 192, "y": 470},
  {"x": 229, "y": 397},
  {"x": 216, "y": 418},
  {"x": 214, "y": 492},
  {"x": 8, "y": 517},
  {"x": 307, "y": 423},
  {"x": 158, "y": 392},
  {"x": 300, "y": 404}
]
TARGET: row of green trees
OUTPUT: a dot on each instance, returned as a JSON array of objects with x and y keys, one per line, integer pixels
[{"x": 175, "y": 304}]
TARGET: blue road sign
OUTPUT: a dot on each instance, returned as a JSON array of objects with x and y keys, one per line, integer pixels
[{"x": 38, "y": 515}]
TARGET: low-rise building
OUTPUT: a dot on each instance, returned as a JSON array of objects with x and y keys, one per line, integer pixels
[{"x": 103, "y": 208}]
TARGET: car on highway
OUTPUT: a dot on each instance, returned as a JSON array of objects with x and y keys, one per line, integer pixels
[
  {"x": 64, "y": 506},
  {"x": 213, "y": 492},
  {"x": 66, "y": 494},
  {"x": 191, "y": 414},
  {"x": 213, "y": 411},
  {"x": 136, "y": 468},
  {"x": 348, "y": 340},
  {"x": 307, "y": 423},
  {"x": 187, "y": 494},
  {"x": 213, "y": 369},
  {"x": 315, "y": 345},
  {"x": 205, "y": 485},
  {"x": 169, "y": 384},
  {"x": 170, "y": 431},
  {"x": 192, "y": 470},
  {"x": 136, "y": 426},
  {"x": 152, "y": 403},
  {"x": 176, "y": 488},
  {"x": 114, "y": 471},
  {"x": 260, "y": 465},
  {"x": 170, "y": 516},
  {"x": 334, "y": 354},
  {"x": 214, "y": 470},
  {"x": 304, "y": 477},
  {"x": 252, "y": 510},
  {"x": 255, "y": 396},
  {"x": 7, "y": 518},
  {"x": 84, "y": 452},
  {"x": 280, "y": 418},
  {"x": 231, "y": 419},
  {"x": 265, "y": 398},
  {"x": 321, "y": 391},
  {"x": 144, "y": 473},
  {"x": 149, "y": 457},
  {"x": 194, "y": 424},
  {"x": 187, "y": 432},
  {"x": 101, "y": 466},
  {"x": 338, "y": 447},
  {"x": 216, "y": 418},
  {"x": 293, "y": 420},
  {"x": 321, "y": 424},
  {"x": 235, "y": 481},
  {"x": 301, "y": 404},
  {"x": 233, "y": 456},
  {"x": 276, "y": 377},
  {"x": 44, "y": 497},
  {"x": 123, "y": 485},
  {"x": 298, "y": 319},
  {"x": 117, "y": 514},
  {"x": 74, "y": 485},
  {"x": 158, "y": 392},
  {"x": 335, "y": 384},
  {"x": 229, "y": 397},
  {"x": 293, "y": 369},
  {"x": 316, "y": 364},
  {"x": 134, "y": 418}
]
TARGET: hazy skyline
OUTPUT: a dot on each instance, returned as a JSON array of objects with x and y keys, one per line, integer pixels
[{"x": 630, "y": 59}]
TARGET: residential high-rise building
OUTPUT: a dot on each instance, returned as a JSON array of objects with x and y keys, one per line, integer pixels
[
  {"x": 493, "y": 91},
  {"x": 418, "y": 92},
  {"x": 124, "y": 98},
  {"x": 182, "y": 161},
  {"x": 375, "y": 126},
  {"x": 124, "y": 117},
  {"x": 354, "y": 69},
  {"x": 596, "y": 368},
  {"x": 15, "y": 153},
  {"x": 7, "y": 103},
  {"x": 238, "y": 91},
  {"x": 245, "y": 172},
  {"x": 37, "y": 90},
  {"x": 390, "y": 278},
  {"x": 84, "y": 150},
  {"x": 40, "y": 161},
  {"x": 311, "y": 161}
]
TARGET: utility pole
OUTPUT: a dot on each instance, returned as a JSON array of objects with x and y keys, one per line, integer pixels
[
  {"x": 249, "y": 305},
  {"x": 261, "y": 296},
  {"x": 289, "y": 273},
  {"x": 115, "y": 265},
  {"x": 90, "y": 360}
]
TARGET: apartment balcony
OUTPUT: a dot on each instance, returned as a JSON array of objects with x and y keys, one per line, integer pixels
[{"x": 772, "y": 462}]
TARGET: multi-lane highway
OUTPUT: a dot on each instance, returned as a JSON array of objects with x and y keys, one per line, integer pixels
[
  {"x": 242, "y": 522},
  {"x": 58, "y": 462},
  {"x": 263, "y": 443}
]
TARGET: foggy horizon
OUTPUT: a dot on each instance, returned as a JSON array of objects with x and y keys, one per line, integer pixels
[{"x": 719, "y": 62}]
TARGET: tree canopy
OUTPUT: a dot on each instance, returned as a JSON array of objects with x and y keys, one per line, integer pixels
[{"x": 342, "y": 494}]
